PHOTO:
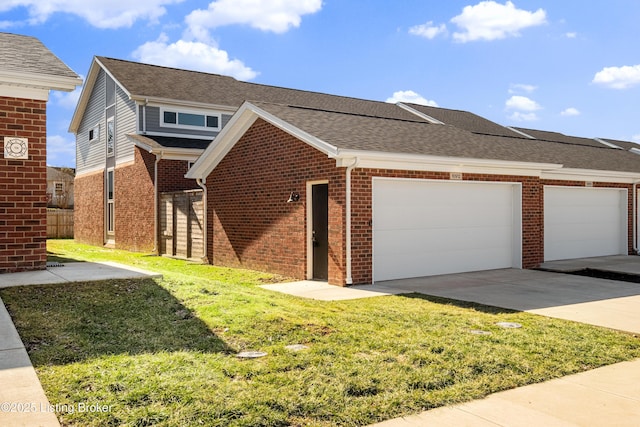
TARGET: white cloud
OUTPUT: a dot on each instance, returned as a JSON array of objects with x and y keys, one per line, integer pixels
[
  {"x": 196, "y": 56},
  {"x": 571, "y": 35},
  {"x": 99, "y": 13},
  {"x": 61, "y": 151},
  {"x": 523, "y": 108},
  {"x": 489, "y": 20},
  {"x": 618, "y": 77},
  {"x": 277, "y": 16},
  {"x": 523, "y": 117},
  {"x": 410, "y": 97},
  {"x": 521, "y": 88},
  {"x": 428, "y": 30},
  {"x": 67, "y": 100},
  {"x": 522, "y": 103},
  {"x": 570, "y": 112}
]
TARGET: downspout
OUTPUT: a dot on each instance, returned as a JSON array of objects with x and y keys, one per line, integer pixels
[
  {"x": 144, "y": 117},
  {"x": 202, "y": 184},
  {"x": 349, "y": 279},
  {"x": 634, "y": 214},
  {"x": 156, "y": 229}
]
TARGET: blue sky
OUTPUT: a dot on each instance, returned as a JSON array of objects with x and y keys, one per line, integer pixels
[{"x": 568, "y": 66}]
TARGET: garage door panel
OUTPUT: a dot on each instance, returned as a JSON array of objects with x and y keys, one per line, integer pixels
[
  {"x": 437, "y": 227},
  {"x": 449, "y": 239},
  {"x": 445, "y": 262},
  {"x": 584, "y": 222}
]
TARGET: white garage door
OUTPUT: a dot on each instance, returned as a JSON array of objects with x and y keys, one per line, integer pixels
[
  {"x": 423, "y": 228},
  {"x": 584, "y": 222}
]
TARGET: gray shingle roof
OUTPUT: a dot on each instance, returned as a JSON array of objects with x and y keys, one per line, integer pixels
[
  {"x": 357, "y": 124},
  {"x": 465, "y": 120},
  {"x": 625, "y": 145},
  {"x": 356, "y": 132},
  {"x": 25, "y": 54},
  {"x": 151, "y": 81},
  {"x": 559, "y": 137}
]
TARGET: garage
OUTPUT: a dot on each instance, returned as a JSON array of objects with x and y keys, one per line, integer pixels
[
  {"x": 581, "y": 222},
  {"x": 430, "y": 227}
]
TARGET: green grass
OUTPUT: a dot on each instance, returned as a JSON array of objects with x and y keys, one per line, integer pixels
[{"x": 162, "y": 352}]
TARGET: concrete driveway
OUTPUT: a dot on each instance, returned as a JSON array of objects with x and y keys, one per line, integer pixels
[{"x": 601, "y": 302}]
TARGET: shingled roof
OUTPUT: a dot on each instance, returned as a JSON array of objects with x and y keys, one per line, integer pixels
[
  {"x": 465, "y": 120},
  {"x": 25, "y": 54},
  {"x": 365, "y": 133},
  {"x": 544, "y": 135},
  {"x": 358, "y": 124},
  {"x": 144, "y": 81}
]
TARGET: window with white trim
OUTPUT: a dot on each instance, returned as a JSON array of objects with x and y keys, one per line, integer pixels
[{"x": 189, "y": 119}]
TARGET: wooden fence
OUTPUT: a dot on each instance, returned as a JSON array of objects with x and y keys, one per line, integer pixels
[
  {"x": 60, "y": 223},
  {"x": 181, "y": 218}
]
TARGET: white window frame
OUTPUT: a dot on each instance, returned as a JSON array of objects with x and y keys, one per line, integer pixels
[{"x": 177, "y": 111}]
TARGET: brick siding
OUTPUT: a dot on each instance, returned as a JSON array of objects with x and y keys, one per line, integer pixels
[
  {"x": 134, "y": 200},
  {"x": 88, "y": 213},
  {"x": 251, "y": 225},
  {"x": 23, "y": 183}
]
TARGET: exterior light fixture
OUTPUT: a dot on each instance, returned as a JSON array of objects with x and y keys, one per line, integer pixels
[{"x": 293, "y": 197}]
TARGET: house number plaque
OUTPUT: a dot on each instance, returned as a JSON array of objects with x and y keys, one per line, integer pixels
[{"x": 16, "y": 148}]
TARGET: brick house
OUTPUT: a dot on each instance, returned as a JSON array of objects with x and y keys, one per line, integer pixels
[
  {"x": 317, "y": 186},
  {"x": 351, "y": 197},
  {"x": 138, "y": 128},
  {"x": 28, "y": 71}
]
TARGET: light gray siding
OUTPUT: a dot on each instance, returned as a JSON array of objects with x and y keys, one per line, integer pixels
[
  {"x": 125, "y": 124},
  {"x": 90, "y": 155},
  {"x": 153, "y": 125}
]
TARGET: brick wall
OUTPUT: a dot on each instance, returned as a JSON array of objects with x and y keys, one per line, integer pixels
[
  {"x": 23, "y": 186},
  {"x": 134, "y": 199},
  {"x": 171, "y": 176},
  {"x": 88, "y": 213},
  {"x": 250, "y": 223}
]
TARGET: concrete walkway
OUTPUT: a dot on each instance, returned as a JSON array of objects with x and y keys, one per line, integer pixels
[
  {"x": 608, "y": 396},
  {"x": 74, "y": 272},
  {"x": 22, "y": 399}
]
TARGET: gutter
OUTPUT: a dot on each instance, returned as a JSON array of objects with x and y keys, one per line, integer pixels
[
  {"x": 349, "y": 279},
  {"x": 202, "y": 184}
]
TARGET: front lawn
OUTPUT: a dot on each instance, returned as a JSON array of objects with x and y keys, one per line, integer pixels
[{"x": 163, "y": 352}]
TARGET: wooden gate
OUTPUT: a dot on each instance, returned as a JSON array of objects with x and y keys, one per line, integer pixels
[{"x": 181, "y": 218}]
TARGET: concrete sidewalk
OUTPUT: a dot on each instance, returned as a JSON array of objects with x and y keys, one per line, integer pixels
[
  {"x": 75, "y": 272},
  {"x": 22, "y": 399},
  {"x": 608, "y": 396}
]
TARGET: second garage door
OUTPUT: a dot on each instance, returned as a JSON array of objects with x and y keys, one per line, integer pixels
[
  {"x": 584, "y": 222},
  {"x": 423, "y": 227}
]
